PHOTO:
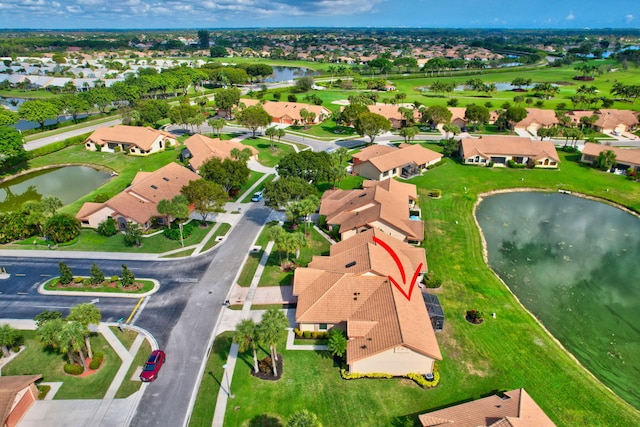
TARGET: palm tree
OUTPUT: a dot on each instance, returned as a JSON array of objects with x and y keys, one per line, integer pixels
[
  {"x": 71, "y": 341},
  {"x": 86, "y": 314},
  {"x": 246, "y": 335},
  {"x": 337, "y": 344},
  {"x": 277, "y": 234},
  {"x": 606, "y": 160},
  {"x": 271, "y": 330},
  {"x": 8, "y": 338}
]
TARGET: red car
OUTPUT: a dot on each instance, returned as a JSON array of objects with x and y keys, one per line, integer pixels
[{"x": 153, "y": 365}]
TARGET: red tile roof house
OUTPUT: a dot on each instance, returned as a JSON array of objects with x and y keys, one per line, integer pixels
[
  {"x": 17, "y": 393},
  {"x": 501, "y": 149},
  {"x": 200, "y": 148},
  {"x": 289, "y": 112},
  {"x": 381, "y": 162},
  {"x": 458, "y": 117},
  {"x": 609, "y": 120},
  {"x": 536, "y": 119},
  {"x": 625, "y": 157},
  {"x": 391, "y": 113},
  {"x": 138, "y": 203},
  {"x": 387, "y": 326},
  {"x": 140, "y": 141},
  {"x": 383, "y": 205},
  {"x": 514, "y": 409}
]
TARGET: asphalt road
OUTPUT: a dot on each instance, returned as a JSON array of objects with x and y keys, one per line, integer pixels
[
  {"x": 166, "y": 400},
  {"x": 181, "y": 315},
  {"x": 41, "y": 142}
]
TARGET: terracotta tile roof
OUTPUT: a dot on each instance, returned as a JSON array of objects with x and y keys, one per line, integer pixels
[
  {"x": 10, "y": 386},
  {"x": 488, "y": 146},
  {"x": 142, "y": 137},
  {"x": 516, "y": 409},
  {"x": 630, "y": 156},
  {"x": 379, "y": 201},
  {"x": 139, "y": 201},
  {"x": 203, "y": 148},
  {"x": 288, "y": 109},
  {"x": 379, "y": 317},
  {"x": 405, "y": 154},
  {"x": 390, "y": 111},
  {"x": 609, "y": 119},
  {"x": 373, "y": 151},
  {"x": 539, "y": 116}
]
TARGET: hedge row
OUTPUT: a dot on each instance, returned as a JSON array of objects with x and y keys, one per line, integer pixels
[{"x": 418, "y": 378}]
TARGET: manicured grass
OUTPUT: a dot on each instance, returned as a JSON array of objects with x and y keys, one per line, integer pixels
[
  {"x": 51, "y": 285},
  {"x": 126, "y": 338},
  {"x": 273, "y": 274},
  {"x": 126, "y": 167},
  {"x": 260, "y": 187},
  {"x": 37, "y": 359},
  {"x": 222, "y": 230},
  {"x": 327, "y": 129},
  {"x": 267, "y": 156},
  {"x": 129, "y": 386},
  {"x": 509, "y": 352},
  {"x": 253, "y": 178},
  {"x": 249, "y": 269},
  {"x": 202, "y": 414},
  {"x": 81, "y": 125}
]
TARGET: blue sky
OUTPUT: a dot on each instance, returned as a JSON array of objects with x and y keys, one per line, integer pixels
[{"x": 135, "y": 14}]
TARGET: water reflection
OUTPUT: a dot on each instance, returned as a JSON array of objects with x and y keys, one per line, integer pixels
[{"x": 573, "y": 263}]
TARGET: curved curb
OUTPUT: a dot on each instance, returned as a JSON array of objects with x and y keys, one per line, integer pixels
[
  {"x": 138, "y": 329},
  {"x": 156, "y": 287}
]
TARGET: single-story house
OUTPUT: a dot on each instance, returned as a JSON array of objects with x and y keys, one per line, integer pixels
[
  {"x": 136, "y": 140},
  {"x": 537, "y": 118},
  {"x": 367, "y": 287},
  {"x": 391, "y": 113},
  {"x": 388, "y": 206},
  {"x": 625, "y": 157},
  {"x": 139, "y": 202},
  {"x": 200, "y": 148},
  {"x": 458, "y": 117},
  {"x": 500, "y": 149},
  {"x": 289, "y": 112},
  {"x": 616, "y": 121},
  {"x": 381, "y": 162},
  {"x": 17, "y": 393},
  {"x": 513, "y": 408}
]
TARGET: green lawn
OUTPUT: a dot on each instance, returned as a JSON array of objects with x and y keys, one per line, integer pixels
[
  {"x": 253, "y": 178},
  {"x": 36, "y": 359},
  {"x": 222, "y": 230},
  {"x": 203, "y": 409},
  {"x": 129, "y": 386},
  {"x": 509, "y": 352},
  {"x": 274, "y": 276},
  {"x": 126, "y": 338},
  {"x": 260, "y": 187},
  {"x": 267, "y": 156},
  {"x": 249, "y": 269}
]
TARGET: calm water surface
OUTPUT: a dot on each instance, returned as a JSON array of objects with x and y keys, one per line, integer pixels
[
  {"x": 68, "y": 184},
  {"x": 574, "y": 263}
]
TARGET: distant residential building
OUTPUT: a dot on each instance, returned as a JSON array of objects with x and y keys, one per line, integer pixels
[
  {"x": 134, "y": 140},
  {"x": 499, "y": 150},
  {"x": 381, "y": 162},
  {"x": 289, "y": 112},
  {"x": 391, "y": 113},
  {"x": 139, "y": 202},
  {"x": 609, "y": 121},
  {"x": 536, "y": 119},
  {"x": 383, "y": 205},
  {"x": 200, "y": 148}
]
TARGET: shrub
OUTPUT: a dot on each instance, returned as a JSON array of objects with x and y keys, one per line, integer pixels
[
  {"x": 298, "y": 332},
  {"x": 107, "y": 227},
  {"x": 306, "y": 334},
  {"x": 356, "y": 375},
  {"x": 435, "y": 193},
  {"x": 435, "y": 165},
  {"x": 78, "y": 280},
  {"x": 101, "y": 198},
  {"x": 98, "y": 357},
  {"x": 314, "y": 335},
  {"x": 265, "y": 365},
  {"x": 173, "y": 232},
  {"x": 490, "y": 164},
  {"x": 292, "y": 98},
  {"x": 72, "y": 369},
  {"x": 512, "y": 164},
  {"x": 114, "y": 278},
  {"x": 422, "y": 381}
]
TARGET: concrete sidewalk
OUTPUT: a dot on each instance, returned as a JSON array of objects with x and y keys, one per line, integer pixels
[{"x": 106, "y": 412}]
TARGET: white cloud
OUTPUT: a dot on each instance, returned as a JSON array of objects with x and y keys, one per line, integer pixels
[
  {"x": 570, "y": 16},
  {"x": 629, "y": 18}
]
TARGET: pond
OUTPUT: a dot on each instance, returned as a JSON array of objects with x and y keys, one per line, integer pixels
[
  {"x": 573, "y": 263},
  {"x": 282, "y": 74},
  {"x": 68, "y": 183}
]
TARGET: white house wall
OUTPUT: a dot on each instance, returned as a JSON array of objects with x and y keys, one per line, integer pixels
[{"x": 396, "y": 361}]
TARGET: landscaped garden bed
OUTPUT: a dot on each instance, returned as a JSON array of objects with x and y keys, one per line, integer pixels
[{"x": 140, "y": 286}]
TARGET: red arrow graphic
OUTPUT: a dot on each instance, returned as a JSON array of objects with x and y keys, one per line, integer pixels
[{"x": 395, "y": 257}]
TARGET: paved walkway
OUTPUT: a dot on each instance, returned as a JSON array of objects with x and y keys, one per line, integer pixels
[{"x": 106, "y": 412}]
